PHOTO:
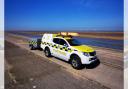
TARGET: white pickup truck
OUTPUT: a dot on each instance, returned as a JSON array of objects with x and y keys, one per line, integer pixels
[{"x": 67, "y": 48}]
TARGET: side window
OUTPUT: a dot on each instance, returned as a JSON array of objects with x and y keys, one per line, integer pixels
[
  {"x": 63, "y": 42},
  {"x": 56, "y": 40}
]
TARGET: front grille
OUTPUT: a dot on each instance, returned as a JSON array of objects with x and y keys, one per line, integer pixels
[{"x": 92, "y": 53}]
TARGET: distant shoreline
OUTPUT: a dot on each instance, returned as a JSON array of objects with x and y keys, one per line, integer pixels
[{"x": 102, "y": 35}]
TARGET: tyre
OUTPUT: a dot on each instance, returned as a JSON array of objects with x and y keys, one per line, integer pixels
[
  {"x": 47, "y": 52},
  {"x": 76, "y": 62},
  {"x": 32, "y": 47}
]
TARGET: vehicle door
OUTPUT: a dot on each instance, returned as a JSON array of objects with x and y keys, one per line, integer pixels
[
  {"x": 63, "y": 49},
  {"x": 55, "y": 47}
]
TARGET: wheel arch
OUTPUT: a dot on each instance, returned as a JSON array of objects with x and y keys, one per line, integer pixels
[
  {"x": 74, "y": 54},
  {"x": 46, "y": 47}
]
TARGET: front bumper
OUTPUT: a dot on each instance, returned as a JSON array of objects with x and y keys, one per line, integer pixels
[{"x": 89, "y": 60}]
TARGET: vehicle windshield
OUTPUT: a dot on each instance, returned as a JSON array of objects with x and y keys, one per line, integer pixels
[{"x": 73, "y": 42}]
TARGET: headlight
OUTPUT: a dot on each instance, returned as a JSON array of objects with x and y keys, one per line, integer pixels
[{"x": 85, "y": 54}]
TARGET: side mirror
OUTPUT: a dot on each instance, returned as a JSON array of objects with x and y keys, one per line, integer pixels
[{"x": 65, "y": 45}]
